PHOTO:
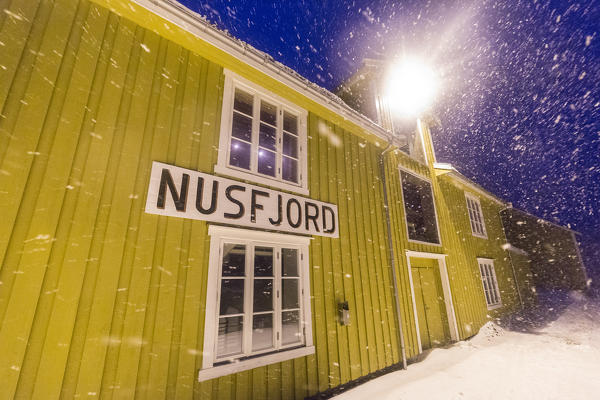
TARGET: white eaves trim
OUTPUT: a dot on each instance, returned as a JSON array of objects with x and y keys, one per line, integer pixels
[
  {"x": 194, "y": 23},
  {"x": 472, "y": 185}
]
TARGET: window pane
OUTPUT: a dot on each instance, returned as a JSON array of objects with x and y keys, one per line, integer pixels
[
  {"x": 290, "y": 123},
  {"x": 268, "y": 113},
  {"x": 289, "y": 262},
  {"x": 243, "y": 102},
  {"x": 493, "y": 284},
  {"x": 234, "y": 259},
  {"x": 263, "y": 261},
  {"x": 290, "y": 145},
  {"x": 263, "y": 295},
  {"x": 266, "y": 162},
  {"x": 420, "y": 211},
  {"x": 239, "y": 156},
  {"x": 291, "y": 333},
  {"x": 229, "y": 341},
  {"x": 289, "y": 293},
  {"x": 478, "y": 215},
  {"x": 267, "y": 136},
  {"x": 232, "y": 296},
  {"x": 289, "y": 169},
  {"x": 241, "y": 127},
  {"x": 262, "y": 332}
]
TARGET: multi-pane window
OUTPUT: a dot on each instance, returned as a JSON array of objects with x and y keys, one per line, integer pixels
[
  {"x": 421, "y": 221},
  {"x": 475, "y": 216},
  {"x": 262, "y": 136},
  {"x": 260, "y": 299},
  {"x": 490, "y": 284}
]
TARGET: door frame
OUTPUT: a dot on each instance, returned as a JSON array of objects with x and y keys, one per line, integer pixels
[{"x": 441, "y": 259}]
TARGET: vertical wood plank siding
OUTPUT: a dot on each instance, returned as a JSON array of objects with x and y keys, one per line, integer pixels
[
  {"x": 458, "y": 243},
  {"x": 100, "y": 299}
]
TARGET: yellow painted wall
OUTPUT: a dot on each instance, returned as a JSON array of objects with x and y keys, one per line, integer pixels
[
  {"x": 472, "y": 247},
  {"x": 98, "y": 298}
]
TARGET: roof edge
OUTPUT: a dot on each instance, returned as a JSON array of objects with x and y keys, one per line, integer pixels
[
  {"x": 469, "y": 183},
  {"x": 198, "y": 26},
  {"x": 545, "y": 221}
]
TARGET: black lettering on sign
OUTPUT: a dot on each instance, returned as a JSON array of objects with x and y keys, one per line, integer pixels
[
  {"x": 178, "y": 198},
  {"x": 311, "y": 217},
  {"x": 289, "y": 213},
  {"x": 213, "y": 199},
  {"x": 277, "y": 222},
  {"x": 228, "y": 191},
  {"x": 254, "y": 205},
  {"x": 330, "y": 211}
]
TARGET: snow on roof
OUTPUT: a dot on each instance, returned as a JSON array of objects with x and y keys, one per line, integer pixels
[
  {"x": 544, "y": 221},
  {"x": 456, "y": 173},
  {"x": 199, "y": 26}
]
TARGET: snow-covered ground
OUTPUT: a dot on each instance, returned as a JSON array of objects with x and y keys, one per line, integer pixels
[{"x": 553, "y": 353}]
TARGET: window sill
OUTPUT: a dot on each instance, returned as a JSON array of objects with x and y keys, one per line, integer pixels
[
  {"x": 221, "y": 370},
  {"x": 495, "y": 306},
  {"x": 234, "y": 173},
  {"x": 425, "y": 243},
  {"x": 480, "y": 236}
]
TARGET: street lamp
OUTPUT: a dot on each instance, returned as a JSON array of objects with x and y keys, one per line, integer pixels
[{"x": 410, "y": 87}]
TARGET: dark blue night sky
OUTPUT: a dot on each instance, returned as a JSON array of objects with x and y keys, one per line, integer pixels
[{"x": 520, "y": 102}]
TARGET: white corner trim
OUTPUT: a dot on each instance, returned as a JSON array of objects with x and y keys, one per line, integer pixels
[
  {"x": 451, "y": 313},
  {"x": 420, "y": 129},
  {"x": 226, "y": 369}
]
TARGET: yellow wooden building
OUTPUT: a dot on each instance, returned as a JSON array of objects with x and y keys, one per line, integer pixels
[{"x": 185, "y": 218}]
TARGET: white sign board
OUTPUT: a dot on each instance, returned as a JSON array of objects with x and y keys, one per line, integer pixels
[{"x": 185, "y": 193}]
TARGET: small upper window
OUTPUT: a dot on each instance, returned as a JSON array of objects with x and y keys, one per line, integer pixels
[
  {"x": 490, "y": 284},
  {"x": 475, "y": 216},
  {"x": 421, "y": 221},
  {"x": 262, "y": 137}
]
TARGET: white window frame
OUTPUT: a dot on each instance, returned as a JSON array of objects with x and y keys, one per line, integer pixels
[
  {"x": 489, "y": 283},
  {"x": 220, "y": 235},
  {"x": 437, "y": 226},
  {"x": 233, "y": 81},
  {"x": 477, "y": 227}
]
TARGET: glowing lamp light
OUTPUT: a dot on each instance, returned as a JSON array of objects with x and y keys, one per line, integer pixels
[{"x": 410, "y": 87}]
